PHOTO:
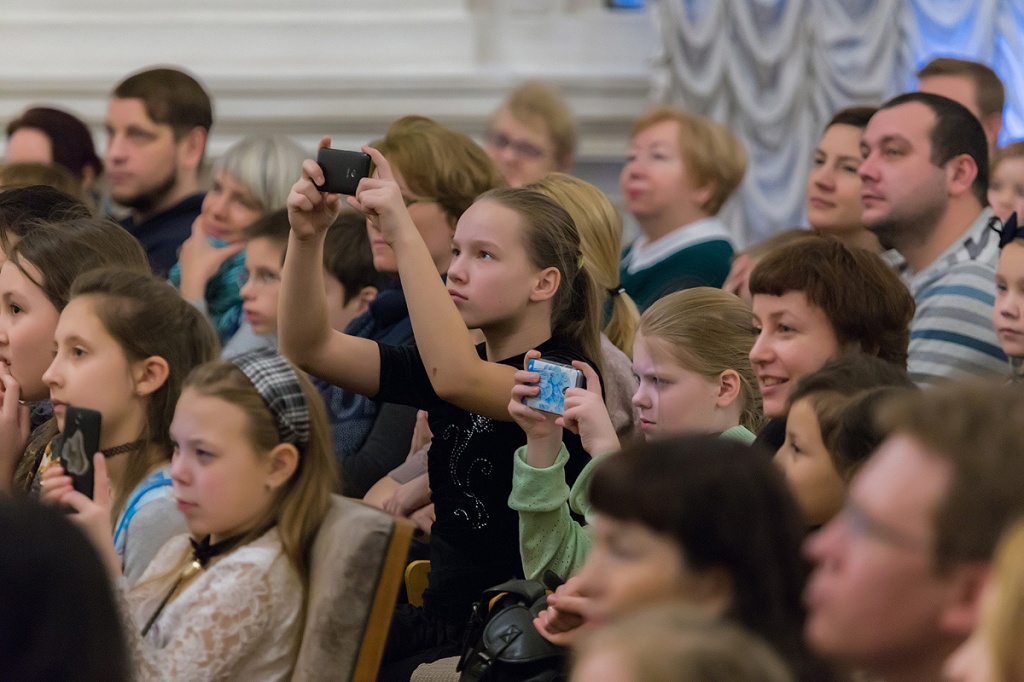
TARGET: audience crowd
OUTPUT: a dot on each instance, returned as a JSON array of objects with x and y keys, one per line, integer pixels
[{"x": 803, "y": 461}]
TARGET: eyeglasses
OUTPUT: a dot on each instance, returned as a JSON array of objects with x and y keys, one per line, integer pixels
[
  {"x": 520, "y": 147},
  {"x": 260, "y": 279},
  {"x": 862, "y": 525}
]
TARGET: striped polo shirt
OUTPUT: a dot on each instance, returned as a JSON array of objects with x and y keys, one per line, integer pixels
[{"x": 951, "y": 336}]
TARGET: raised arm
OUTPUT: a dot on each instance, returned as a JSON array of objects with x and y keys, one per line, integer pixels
[
  {"x": 457, "y": 373},
  {"x": 306, "y": 336}
]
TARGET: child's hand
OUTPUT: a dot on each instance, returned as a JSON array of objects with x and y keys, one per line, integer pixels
[
  {"x": 310, "y": 211},
  {"x": 199, "y": 260},
  {"x": 15, "y": 426},
  {"x": 569, "y": 615},
  {"x": 587, "y": 416},
  {"x": 92, "y": 516},
  {"x": 380, "y": 199},
  {"x": 537, "y": 425},
  {"x": 543, "y": 434}
]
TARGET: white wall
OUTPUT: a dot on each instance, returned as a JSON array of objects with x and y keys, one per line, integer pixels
[{"x": 343, "y": 67}]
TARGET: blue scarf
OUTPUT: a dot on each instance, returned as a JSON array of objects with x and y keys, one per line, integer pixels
[{"x": 223, "y": 300}]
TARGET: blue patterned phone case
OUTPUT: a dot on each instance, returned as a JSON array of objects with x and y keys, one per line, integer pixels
[{"x": 555, "y": 378}]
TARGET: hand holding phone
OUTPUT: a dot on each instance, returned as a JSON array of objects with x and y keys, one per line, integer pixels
[
  {"x": 555, "y": 380},
  {"x": 77, "y": 445},
  {"x": 342, "y": 170}
]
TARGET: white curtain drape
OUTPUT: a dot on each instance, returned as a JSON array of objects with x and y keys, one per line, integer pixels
[{"x": 775, "y": 71}]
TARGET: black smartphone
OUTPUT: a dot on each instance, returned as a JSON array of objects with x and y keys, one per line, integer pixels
[
  {"x": 79, "y": 442},
  {"x": 342, "y": 170}
]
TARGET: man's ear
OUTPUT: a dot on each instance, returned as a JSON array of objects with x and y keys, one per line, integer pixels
[
  {"x": 961, "y": 172},
  {"x": 365, "y": 297},
  {"x": 284, "y": 460},
  {"x": 149, "y": 375},
  {"x": 703, "y": 195},
  {"x": 729, "y": 387},
  {"x": 192, "y": 147},
  {"x": 546, "y": 284},
  {"x": 967, "y": 586}
]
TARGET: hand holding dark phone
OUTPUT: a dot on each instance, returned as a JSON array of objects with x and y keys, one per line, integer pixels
[
  {"x": 79, "y": 442},
  {"x": 342, "y": 170}
]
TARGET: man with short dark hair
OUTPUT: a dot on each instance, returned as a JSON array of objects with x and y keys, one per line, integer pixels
[
  {"x": 973, "y": 85},
  {"x": 924, "y": 183},
  {"x": 157, "y": 124},
  {"x": 899, "y": 572}
]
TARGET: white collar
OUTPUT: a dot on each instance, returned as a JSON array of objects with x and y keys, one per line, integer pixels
[{"x": 643, "y": 254}]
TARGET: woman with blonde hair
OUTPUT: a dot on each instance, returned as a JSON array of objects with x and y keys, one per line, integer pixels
[{"x": 679, "y": 172}]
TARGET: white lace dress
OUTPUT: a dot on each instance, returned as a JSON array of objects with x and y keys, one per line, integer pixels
[{"x": 240, "y": 619}]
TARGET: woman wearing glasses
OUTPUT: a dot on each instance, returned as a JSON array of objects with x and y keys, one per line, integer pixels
[{"x": 532, "y": 134}]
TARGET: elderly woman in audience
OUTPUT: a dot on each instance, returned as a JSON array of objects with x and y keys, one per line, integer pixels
[
  {"x": 813, "y": 300},
  {"x": 532, "y": 134},
  {"x": 251, "y": 179},
  {"x": 680, "y": 171}
]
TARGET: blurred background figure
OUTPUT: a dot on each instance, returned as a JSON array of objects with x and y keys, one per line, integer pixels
[
  {"x": 532, "y": 134},
  {"x": 58, "y": 618},
  {"x": 32, "y": 173},
  {"x": 55, "y": 137},
  {"x": 995, "y": 652},
  {"x": 676, "y": 644}
]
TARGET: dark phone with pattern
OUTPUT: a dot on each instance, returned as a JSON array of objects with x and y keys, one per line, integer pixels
[{"x": 78, "y": 444}]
